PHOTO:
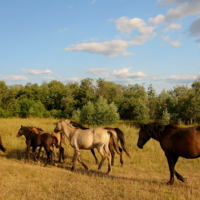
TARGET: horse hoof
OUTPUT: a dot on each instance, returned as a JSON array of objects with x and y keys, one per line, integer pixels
[
  {"x": 184, "y": 180},
  {"x": 72, "y": 169},
  {"x": 169, "y": 183}
]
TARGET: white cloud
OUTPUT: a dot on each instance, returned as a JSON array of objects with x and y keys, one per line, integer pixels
[
  {"x": 158, "y": 20},
  {"x": 166, "y": 38},
  {"x": 177, "y": 79},
  {"x": 185, "y": 9},
  {"x": 115, "y": 48},
  {"x": 194, "y": 29},
  {"x": 48, "y": 78},
  {"x": 36, "y": 72},
  {"x": 75, "y": 79},
  {"x": 15, "y": 78},
  {"x": 62, "y": 30},
  {"x": 97, "y": 71},
  {"x": 172, "y": 2},
  {"x": 111, "y": 48},
  {"x": 175, "y": 43},
  {"x": 172, "y": 26},
  {"x": 108, "y": 49},
  {"x": 125, "y": 75},
  {"x": 181, "y": 79},
  {"x": 125, "y": 25}
]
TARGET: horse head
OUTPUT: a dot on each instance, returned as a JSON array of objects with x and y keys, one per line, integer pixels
[
  {"x": 143, "y": 136},
  {"x": 21, "y": 131}
]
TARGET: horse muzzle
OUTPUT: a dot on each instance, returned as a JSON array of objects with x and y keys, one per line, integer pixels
[{"x": 140, "y": 146}]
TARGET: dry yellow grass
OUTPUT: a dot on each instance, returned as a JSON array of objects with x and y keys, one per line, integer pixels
[{"x": 144, "y": 176}]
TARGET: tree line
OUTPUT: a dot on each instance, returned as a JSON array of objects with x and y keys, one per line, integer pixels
[{"x": 101, "y": 102}]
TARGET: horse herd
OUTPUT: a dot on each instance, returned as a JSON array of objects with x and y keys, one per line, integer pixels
[{"x": 175, "y": 141}]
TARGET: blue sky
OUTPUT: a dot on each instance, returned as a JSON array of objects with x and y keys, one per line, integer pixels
[{"x": 125, "y": 41}]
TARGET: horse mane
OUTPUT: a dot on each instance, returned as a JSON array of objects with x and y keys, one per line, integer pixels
[
  {"x": 77, "y": 125},
  {"x": 154, "y": 129},
  {"x": 34, "y": 127},
  {"x": 158, "y": 130},
  {"x": 172, "y": 126}
]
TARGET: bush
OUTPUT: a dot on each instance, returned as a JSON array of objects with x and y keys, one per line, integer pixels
[{"x": 99, "y": 113}]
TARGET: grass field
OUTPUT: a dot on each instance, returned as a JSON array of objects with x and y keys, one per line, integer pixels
[{"x": 144, "y": 176}]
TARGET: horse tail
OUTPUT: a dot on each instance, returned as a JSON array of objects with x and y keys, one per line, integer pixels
[
  {"x": 1, "y": 145},
  {"x": 115, "y": 142},
  {"x": 121, "y": 138}
]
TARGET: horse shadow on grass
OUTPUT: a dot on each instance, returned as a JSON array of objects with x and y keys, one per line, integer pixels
[
  {"x": 99, "y": 174},
  {"x": 21, "y": 155}
]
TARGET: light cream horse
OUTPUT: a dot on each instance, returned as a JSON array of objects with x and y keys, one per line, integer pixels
[{"x": 87, "y": 139}]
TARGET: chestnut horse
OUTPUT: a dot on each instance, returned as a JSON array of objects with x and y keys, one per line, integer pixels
[
  {"x": 175, "y": 142},
  {"x": 1, "y": 145},
  {"x": 120, "y": 137},
  {"x": 87, "y": 139}
]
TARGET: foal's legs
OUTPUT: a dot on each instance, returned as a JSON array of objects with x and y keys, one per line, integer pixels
[
  {"x": 28, "y": 143},
  {"x": 61, "y": 154}
]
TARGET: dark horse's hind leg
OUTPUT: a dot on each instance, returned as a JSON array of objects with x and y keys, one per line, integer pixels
[
  {"x": 179, "y": 177},
  {"x": 61, "y": 154},
  {"x": 49, "y": 156},
  {"x": 112, "y": 156},
  {"x": 93, "y": 153},
  {"x": 172, "y": 159},
  {"x": 121, "y": 159}
]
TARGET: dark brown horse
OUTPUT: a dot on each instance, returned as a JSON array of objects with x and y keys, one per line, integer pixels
[
  {"x": 60, "y": 138},
  {"x": 120, "y": 137},
  {"x": 2, "y": 148},
  {"x": 35, "y": 139},
  {"x": 175, "y": 141},
  {"x": 45, "y": 140}
]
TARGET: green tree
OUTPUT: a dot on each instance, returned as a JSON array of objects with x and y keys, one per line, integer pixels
[{"x": 99, "y": 113}]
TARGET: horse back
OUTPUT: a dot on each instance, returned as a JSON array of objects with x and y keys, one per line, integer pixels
[
  {"x": 182, "y": 141},
  {"x": 90, "y": 138}
]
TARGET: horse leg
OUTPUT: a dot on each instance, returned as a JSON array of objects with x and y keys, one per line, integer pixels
[
  {"x": 178, "y": 176},
  {"x": 104, "y": 151},
  {"x": 38, "y": 154},
  {"x": 93, "y": 153},
  {"x": 121, "y": 157},
  {"x": 112, "y": 155},
  {"x": 111, "y": 148},
  {"x": 74, "y": 159},
  {"x": 54, "y": 151},
  {"x": 171, "y": 163},
  {"x": 61, "y": 154},
  {"x": 79, "y": 159},
  {"x": 108, "y": 155},
  {"x": 49, "y": 156},
  {"x": 28, "y": 143}
]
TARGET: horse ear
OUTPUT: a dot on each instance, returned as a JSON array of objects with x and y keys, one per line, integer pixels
[{"x": 21, "y": 126}]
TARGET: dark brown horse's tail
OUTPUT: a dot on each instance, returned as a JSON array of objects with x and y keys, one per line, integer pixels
[
  {"x": 115, "y": 142},
  {"x": 121, "y": 138},
  {"x": 1, "y": 145}
]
